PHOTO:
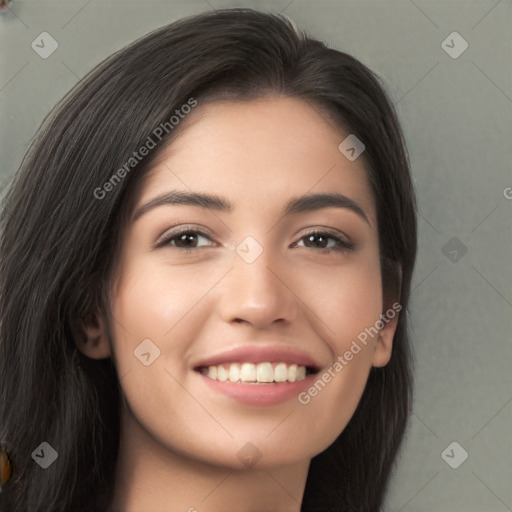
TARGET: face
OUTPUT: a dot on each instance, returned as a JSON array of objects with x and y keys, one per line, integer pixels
[{"x": 263, "y": 261}]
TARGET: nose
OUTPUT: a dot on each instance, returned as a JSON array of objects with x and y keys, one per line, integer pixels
[{"x": 258, "y": 293}]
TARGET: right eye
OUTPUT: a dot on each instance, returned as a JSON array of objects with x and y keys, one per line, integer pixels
[{"x": 186, "y": 239}]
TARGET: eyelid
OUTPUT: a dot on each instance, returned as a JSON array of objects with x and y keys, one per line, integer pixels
[
  {"x": 326, "y": 231},
  {"x": 178, "y": 229},
  {"x": 344, "y": 242}
]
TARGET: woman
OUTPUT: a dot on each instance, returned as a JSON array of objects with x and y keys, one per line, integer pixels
[{"x": 206, "y": 260}]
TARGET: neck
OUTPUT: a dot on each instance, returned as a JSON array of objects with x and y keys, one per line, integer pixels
[{"x": 151, "y": 476}]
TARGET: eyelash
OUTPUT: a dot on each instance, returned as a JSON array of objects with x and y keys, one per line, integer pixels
[
  {"x": 341, "y": 244},
  {"x": 340, "y": 247}
]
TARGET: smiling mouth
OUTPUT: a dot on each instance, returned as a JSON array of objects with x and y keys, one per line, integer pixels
[{"x": 257, "y": 373}]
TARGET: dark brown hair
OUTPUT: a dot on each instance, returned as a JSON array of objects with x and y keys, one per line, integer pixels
[{"x": 59, "y": 245}]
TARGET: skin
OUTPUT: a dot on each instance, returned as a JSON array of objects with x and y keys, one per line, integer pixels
[{"x": 179, "y": 439}]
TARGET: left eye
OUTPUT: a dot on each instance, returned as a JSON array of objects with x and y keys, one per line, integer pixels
[
  {"x": 325, "y": 241},
  {"x": 188, "y": 240}
]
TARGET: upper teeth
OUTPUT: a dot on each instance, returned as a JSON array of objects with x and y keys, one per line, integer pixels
[{"x": 261, "y": 372}]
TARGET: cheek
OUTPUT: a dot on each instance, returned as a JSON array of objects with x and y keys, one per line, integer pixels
[
  {"x": 334, "y": 396},
  {"x": 157, "y": 311},
  {"x": 157, "y": 298},
  {"x": 347, "y": 303},
  {"x": 154, "y": 321},
  {"x": 346, "y": 299}
]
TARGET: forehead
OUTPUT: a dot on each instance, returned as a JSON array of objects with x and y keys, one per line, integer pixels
[{"x": 259, "y": 153}]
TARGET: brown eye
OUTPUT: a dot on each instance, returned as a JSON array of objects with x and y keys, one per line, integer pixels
[
  {"x": 186, "y": 239},
  {"x": 318, "y": 241},
  {"x": 325, "y": 242}
]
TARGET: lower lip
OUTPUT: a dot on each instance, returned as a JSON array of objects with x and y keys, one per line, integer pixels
[{"x": 259, "y": 394}]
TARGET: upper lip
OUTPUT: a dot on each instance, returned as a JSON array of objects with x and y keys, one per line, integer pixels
[{"x": 261, "y": 354}]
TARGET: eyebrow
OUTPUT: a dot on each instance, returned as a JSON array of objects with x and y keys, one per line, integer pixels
[
  {"x": 207, "y": 201},
  {"x": 313, "y": 202},
  {"x": 310, "y": 202}
]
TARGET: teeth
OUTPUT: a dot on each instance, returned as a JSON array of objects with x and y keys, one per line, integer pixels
[
  {"x": 212, "y": 372},
  {"x": 234, "y": 372},
  {"x": 292, "y": 373},
  {"x": 248, "y": 372},
  {"x": 222, "y": 374},
  {"x": 260, "y": 373},
  {"x": 264, "y": 372},
  {"x": 281, "y": 373}
]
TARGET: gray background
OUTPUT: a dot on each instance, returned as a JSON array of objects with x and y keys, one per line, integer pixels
[{"x": 456, "y": 114}]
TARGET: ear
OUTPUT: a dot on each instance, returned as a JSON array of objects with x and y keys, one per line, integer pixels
[
  {"x": 93, "y": 341},
  {"x": 384, "y": 342},
  {"x": 389, "y": 318}
]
